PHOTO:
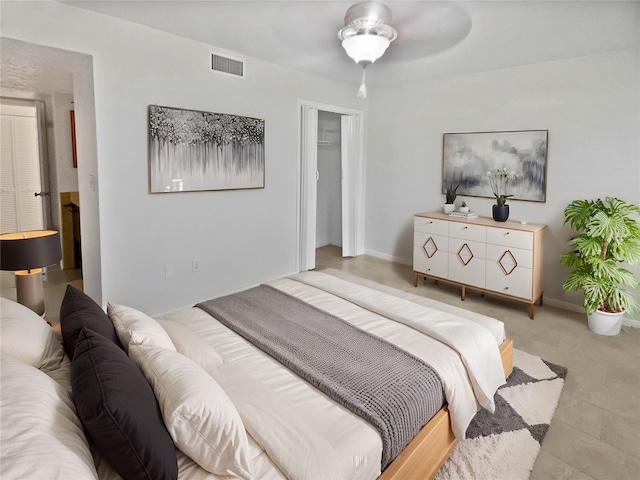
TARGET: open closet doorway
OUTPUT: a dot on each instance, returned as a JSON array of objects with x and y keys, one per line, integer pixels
[
  {"x": 331, "y": 200},
  {"x": 329, "y": 196}
]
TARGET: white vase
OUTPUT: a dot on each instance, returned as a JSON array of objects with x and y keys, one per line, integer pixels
[
  {"x": 605, "y": 323},
  {"x": 464, "y": 209},
  {"x": 449, "y": 207}
]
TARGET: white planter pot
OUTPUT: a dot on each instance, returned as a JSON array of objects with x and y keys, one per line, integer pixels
[
  {"x": 464, "y": 209},
  {"x": 604, "y": 323},
  {"x": 449, "y": 207}
]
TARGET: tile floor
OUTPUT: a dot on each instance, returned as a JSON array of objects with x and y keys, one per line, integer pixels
[{"x": 595, "y": 433}]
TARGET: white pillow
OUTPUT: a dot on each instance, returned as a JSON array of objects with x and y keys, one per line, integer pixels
[
  {"x": 192, "y": 346},
  {"x": 199, "y": 416},
  {"x": 42, "y": 436},
  {"x": 26, "y": 336},
  {"x": 127, "y": 319}
]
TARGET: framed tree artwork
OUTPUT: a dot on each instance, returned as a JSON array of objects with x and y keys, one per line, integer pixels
[{"x": 190, "y": 150}]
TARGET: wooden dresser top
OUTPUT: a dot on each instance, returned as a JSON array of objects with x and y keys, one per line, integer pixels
[{"x": 486, "y": 221}]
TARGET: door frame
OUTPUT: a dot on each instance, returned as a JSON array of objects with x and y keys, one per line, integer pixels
[{"x": 305, "y": 231}]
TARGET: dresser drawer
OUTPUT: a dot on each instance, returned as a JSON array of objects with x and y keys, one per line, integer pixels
[
  {"x": 518, "y": 256},
  {"x": 470, "y": 273},
  {"x": 430, "y": 225},
  {"x": 475, "y": 249},
  {"x": 430, "y": 242},
  {"x": 468, "y": 231},
  {"x": 436, "y": 265},
  {"x": 518, "y": 283},
  {"x": 510, "y": 238}
]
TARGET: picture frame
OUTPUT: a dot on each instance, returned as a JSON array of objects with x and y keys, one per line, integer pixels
[
  {"x": 74, "y": 151},
  {"x": 468, "y": 156},
  {"x": 192, "y": 150}
]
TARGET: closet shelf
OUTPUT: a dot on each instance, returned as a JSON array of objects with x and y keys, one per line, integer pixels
[{"x": 326, "y": 140}]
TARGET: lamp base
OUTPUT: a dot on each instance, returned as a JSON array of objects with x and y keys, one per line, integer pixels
[{"x": 29, "y": 289}]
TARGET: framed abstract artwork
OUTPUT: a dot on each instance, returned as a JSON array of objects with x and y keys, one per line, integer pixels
[
  {"x": 467, "y": 157},
  {"x": 190, "y": 150}
]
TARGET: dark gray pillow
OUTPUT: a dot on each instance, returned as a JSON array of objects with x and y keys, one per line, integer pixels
[
  {"x": 119, "y": 410},
  {"x": 79, "y": 310}
]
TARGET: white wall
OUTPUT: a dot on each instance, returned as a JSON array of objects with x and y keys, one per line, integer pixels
[
  {"x": 240, "y": 237},
  {"x": 63, "y": 177},
  {"x": 329, "y": 206},
  {"x": 590, "y": 105},
  {"x": 67, "y": 175}
]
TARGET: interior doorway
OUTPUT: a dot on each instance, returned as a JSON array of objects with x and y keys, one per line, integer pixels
[
  {"x": 23, "y": 184},
  {"x": 59, "y": 82},
  {"x": 331, "y": 149},
  {"x": 329, "y": 203}
]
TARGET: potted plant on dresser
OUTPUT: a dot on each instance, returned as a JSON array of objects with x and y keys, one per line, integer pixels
[
  {"x": 450, "y": 194},
  {"x": 609, "y": 234}
]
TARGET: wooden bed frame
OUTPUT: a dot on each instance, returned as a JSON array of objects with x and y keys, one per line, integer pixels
[{"x": 433, "y": 445}]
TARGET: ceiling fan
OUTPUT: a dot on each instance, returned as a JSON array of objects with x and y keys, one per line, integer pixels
[{"x": 366, "y": 35}]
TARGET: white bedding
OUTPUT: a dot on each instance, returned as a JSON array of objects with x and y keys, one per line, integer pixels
[
  {"x": 294, "y": 431},
  {"x": 295, "y": 423}
]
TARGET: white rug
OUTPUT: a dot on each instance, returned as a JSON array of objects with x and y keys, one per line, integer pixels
[{"x": 504, "y": 445}]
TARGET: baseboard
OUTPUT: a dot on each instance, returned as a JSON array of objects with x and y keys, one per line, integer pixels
[
  {"x": 389, "y": 258},
  {"x": 572, "y": 307},
  {"x": 335, "y": 244}
]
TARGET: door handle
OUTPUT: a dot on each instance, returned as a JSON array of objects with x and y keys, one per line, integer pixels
[{"x": 42, "y": 194}]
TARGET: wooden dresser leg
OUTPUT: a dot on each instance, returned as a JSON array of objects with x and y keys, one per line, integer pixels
[
  {"x": 415, "y": 279},
  {"x": 531, "y": 311},
  {"x": 463, "y": 294}
]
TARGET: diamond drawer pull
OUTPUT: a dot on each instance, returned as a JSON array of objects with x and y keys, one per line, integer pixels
[
  {"x": 430, "y": 248},
  {"x": 508, "y": 262},
  {"x": 465, "y": 253}
]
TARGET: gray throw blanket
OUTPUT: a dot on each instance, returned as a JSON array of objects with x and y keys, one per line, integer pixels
[{"x": 391, "y": 389}]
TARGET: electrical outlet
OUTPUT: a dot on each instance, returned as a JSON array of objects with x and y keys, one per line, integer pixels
[{"x": 195, "y": 264}]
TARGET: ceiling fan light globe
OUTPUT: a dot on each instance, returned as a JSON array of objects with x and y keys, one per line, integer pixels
[{"x": 365, "y": 48}]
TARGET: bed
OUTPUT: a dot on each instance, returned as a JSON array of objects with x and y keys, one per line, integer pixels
[{"x": 265, "y": 422}]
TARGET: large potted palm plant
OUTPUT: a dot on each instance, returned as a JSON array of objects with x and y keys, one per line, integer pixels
[{"x": 609, "y": 235}]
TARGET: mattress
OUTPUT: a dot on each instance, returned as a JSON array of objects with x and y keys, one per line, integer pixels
[{"x": 299, "y": 432}]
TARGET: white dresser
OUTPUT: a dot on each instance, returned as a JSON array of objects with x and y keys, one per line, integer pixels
[{"x": 501, "y": 258}]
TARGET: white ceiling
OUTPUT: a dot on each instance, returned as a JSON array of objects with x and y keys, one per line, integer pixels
[{"x": 435, "y": 39}]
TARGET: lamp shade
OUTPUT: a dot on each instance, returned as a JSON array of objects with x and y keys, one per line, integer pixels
[
  {"x": 365, "y": 48},
  {"x": 29, "y": 250}
]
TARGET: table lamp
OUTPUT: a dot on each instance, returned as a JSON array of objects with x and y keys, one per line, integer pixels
[{"x": 26, "y": 253}]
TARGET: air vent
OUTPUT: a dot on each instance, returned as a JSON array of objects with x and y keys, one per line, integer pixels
[{"x": 230, "y": 66}]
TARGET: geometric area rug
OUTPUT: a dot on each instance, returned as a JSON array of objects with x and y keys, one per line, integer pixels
[{"x": 504, "y": 445}]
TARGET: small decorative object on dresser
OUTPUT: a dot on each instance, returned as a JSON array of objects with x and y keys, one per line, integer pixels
[
  {"x": 500, "y": 213},
  {"x": 609, "y": 235},
  {"x": 450, "y": 193},
  {"x": 499, "y": 181},
  {"x": 464, "y": 208},
  {"x": 504, "y": 260}
]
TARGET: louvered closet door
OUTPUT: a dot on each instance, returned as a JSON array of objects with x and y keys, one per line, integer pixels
[{"x": 20, "y": 171}]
